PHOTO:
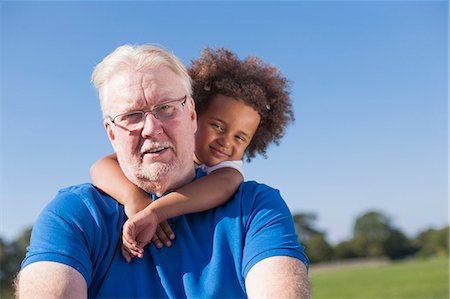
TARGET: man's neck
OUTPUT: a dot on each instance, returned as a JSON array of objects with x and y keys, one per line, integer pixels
[{"x": 161, "y": 187}]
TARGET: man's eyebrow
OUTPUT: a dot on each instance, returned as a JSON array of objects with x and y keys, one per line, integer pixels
[
  {"x": 166, "y": 99},
  {"x": 132, "y": 108}
]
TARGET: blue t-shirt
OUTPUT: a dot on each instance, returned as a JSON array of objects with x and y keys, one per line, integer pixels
[{"x": 210, "y": 257}]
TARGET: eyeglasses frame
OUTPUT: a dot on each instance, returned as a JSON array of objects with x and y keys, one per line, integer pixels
[{"x": 182, "y": 101}]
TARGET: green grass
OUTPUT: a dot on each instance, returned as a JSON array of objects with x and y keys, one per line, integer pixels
[{"x": 424, "y": 279}]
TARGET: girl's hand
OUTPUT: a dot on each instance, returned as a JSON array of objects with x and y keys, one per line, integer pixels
[
  {"x": 164, "y": 234},
  {"x": 142, "y": 229}
]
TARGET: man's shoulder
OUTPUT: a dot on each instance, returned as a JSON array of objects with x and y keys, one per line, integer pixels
[
  {"x": 84, "y": 188},
  {"x": 85, "y": 191},
  {"x": 254, "y": 184},
  {"x": 252, "y": 196},
  {"x": 69, "y": 228},
  {"x": 249, "y": 188},
  {"x": 82, "y": 196},
  {"x": 84, "y": 206}
]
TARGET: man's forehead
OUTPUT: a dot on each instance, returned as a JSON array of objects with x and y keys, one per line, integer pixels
[
  {"x": 130, "y": 89},
  {"x": 161, "y": 80},
  {"x": 129, "y": 78}
]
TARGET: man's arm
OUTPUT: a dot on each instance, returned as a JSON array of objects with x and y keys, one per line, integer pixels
[
  {"x": 278, "y": 277},
  {"x": 50, "y": 280}
]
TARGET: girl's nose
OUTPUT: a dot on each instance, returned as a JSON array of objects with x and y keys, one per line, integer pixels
[{"x": 224, "y": 140}]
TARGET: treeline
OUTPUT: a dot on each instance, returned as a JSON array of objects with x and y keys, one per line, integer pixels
[
  {"x": 373, "y": 236},
  {"x": 11, "y": 255}
]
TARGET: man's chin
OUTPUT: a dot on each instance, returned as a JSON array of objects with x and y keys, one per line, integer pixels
[{"x": 155, "y": 172}]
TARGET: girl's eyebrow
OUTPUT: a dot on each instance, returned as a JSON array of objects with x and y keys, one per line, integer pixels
[
  {"x": 243, "y": 133},
  {"x": 217, "y": 119}
]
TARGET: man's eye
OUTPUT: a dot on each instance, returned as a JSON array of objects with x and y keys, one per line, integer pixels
[
  {"x": 131, "y": 118},
  {"x": 164, "y": 109}
]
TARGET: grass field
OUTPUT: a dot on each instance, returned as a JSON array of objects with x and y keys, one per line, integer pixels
[{"x": 424, "y": 279}]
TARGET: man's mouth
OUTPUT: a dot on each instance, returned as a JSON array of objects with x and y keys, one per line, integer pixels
[{"x": 157, "y": 149}]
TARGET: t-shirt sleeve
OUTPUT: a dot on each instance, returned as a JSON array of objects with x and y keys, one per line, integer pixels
[
  {"x": 65, "y": 232},
  {"x": 237, "y": 164},
  {"x": 269, "y": 228}
]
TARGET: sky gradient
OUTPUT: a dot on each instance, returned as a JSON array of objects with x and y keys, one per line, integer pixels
[{"x": 369, "y": 90}]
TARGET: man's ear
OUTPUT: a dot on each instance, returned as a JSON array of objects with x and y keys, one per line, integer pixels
[
  {"x": 109, "y": 130},
  {"x": 193, "y": 113}
]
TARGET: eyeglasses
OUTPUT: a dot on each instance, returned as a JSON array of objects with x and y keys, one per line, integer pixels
[{"x": 134, "y": 120}]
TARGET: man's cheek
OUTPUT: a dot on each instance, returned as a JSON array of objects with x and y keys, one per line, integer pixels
[{"x": 126, "y": 147}]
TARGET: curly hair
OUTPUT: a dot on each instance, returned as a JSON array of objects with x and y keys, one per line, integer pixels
[{"x": 256, "y": 83}]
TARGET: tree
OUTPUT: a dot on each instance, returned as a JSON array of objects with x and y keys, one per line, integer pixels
[
  {"x": 3, "y": 262},
  {"x": 398, "y": 245},
  {"x": 20, "y": 245},
  {"x": 6, "y": 271},
  {"x": 373, "y": 236},
  {"x": 433, "y": 242},
  {"x": 370, "y": 232},
  {"x": 344, "y": 250},
  {"x": 11, "y": 255},
  {"x": 305, "y": 226},
  {"x": 318, "y": 249},
  {"x": 316, "y": 246}
]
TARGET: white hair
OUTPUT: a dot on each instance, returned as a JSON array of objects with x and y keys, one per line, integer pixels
[{"x": 137, "y": 57}]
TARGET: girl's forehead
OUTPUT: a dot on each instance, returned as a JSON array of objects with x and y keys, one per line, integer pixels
[
  {"x": 220, "y": 101},
  {"x": 224, "y": 105},
  {"x": 231, "y": 111}
]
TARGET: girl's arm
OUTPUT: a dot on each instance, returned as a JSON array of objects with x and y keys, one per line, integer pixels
[
  {"x": 107, "y": 175},
  {"x": 203, "y": 194}
]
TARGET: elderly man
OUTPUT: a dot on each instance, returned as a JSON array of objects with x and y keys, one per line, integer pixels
[{"x": 246, "y": 247}]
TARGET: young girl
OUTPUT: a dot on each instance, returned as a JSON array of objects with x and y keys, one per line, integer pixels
[{"x": 242, "y": 107}]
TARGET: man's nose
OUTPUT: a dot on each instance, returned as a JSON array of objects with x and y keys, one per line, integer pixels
[{"x": 152, "y": 126}]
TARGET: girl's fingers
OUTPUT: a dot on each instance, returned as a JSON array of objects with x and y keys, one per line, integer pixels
[
  {"x": 167, "y": 230},
  {"x": 133, "y": 249},
  {"x": 126, "y": 255},
  {"x": 161, "y": 234},
  {"x": 156, "y": 241}
]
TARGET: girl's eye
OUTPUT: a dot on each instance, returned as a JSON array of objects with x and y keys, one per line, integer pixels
[
  {"x": 217, "y": 127},
  {"x": 240, "y": 138}
]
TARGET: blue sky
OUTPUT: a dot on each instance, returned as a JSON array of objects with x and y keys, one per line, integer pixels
[{"x": 369, "y": 88}]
